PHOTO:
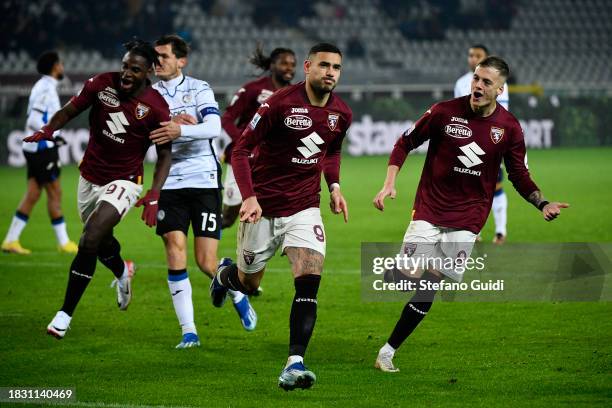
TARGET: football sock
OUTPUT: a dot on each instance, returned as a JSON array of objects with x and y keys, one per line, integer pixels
[
  {"x": 500, "y": 210},
  {"x": 59, "y": 226},
  {"x": 109, "y": 255},
  {"x": 17, "y": 225},
  {"x": 293, "y": 360},
  {"x": 235, "y": 295},
  {"x": 229, "y": 278},
  {"x": 303, "y": 313},
  {"x": 180, "y": 290},
  {"x": 387, "y": 349},
  {"x": 82, "y": 269},
  {"x": 413, "y": 313}
]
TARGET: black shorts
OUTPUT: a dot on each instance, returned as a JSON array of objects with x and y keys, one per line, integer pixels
[
  {"x": 199, "y": 206},
  {"x": 44, "y": 166}
]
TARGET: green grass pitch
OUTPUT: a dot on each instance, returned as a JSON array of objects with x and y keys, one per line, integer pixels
[{"x": 463, "y": 354}]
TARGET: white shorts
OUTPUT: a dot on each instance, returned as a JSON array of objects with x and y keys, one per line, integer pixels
[
  {"x": 231, "y": 192},
  {"x": 122, "y": 194},
  {"x": 423, "y": 239},
  {"x": 257, "y": 243}
]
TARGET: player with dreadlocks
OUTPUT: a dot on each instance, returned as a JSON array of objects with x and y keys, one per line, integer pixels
[
  {"x": 280, "y": 66},
  {"x": 124, "y": 111}
]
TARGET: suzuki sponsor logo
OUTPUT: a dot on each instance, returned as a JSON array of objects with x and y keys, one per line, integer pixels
[
  {"x": 458, "y": 131},
  {"x": 310, "y": 147},
  {"x": 471, "y": 158},
  {"x": 298, "y": 122},
  {"x": 108, "y": 99}
]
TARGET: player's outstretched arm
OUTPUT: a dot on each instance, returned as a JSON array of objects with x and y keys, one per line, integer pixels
[
  {"x": 550, "y": 211},
  {"x": 388, "y": 189},
  {"x": 58, "y": 121},
  {"x": 151, "y": 198},
  {"x": 337, "y": 203}
]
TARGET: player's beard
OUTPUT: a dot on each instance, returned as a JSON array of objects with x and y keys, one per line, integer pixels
[{"x": 322, "y": 88}]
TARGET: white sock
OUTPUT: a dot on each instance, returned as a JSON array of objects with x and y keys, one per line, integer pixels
[
  {"x": 59, "y": 226},
  {"x": 236, "y": 295},
  {"x": 294, "y": 359},
  {"x": 180, "y": 290},
  {"x": 17, "y": 225},
  {"x": 387, "y": 349},
  {"x": 500, "y": 210}
]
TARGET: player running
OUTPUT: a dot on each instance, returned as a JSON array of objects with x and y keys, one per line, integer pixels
[
  {"x": 42, "y": 160},
  {"x": 476, "y": 54},
  {"x": 298, "y": 133},
  {"x": 124, "y": 111},
  {"x": 468, "y": 137},
  {"x": 192, "y": 192},
  {"x": 281, "y": 66}
]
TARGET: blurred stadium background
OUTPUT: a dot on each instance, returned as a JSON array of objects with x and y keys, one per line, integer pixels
[{"x": 400, "y": 57}]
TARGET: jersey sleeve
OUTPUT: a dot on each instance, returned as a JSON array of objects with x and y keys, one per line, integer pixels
[
  {"x": 209, "y": 126},
  {"x": 413, "y": 137},
  {"x": 205, "y": 101},
  {"x": 233, "y": 112},
  {"x": 86, "y": 97},
  {"x": 514, "y": 159},
  {"x": 254, "y": 133},
  {"x": 331, "y": 162}
]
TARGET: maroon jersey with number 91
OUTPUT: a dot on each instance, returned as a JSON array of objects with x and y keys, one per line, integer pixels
[
  {"x": 295, "y": 142},
  {"x": 119, "y": 129}
]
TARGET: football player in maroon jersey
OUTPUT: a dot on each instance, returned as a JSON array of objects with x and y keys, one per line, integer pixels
[
  {"x": 298, "y": 133},
  {"x": 281, "y": 67},
  {"x": 468, "y": 138},
  {"x": 124, "y": 111}
]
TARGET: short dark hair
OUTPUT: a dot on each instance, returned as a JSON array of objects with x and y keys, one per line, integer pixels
[
  {"x": 482, "y": 47},
  {"x": 46, "y": 61},
  {"x": 324, "y": 47},
  {"x": 180, "y": 48},
  {"x": 260, "y": 60},
  {"x": 497, "y": 63},
  {"x": 144, "y": 49}
]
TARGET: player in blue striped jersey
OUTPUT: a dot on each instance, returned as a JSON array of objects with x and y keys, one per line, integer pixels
[{"x": 192, "y": 192}]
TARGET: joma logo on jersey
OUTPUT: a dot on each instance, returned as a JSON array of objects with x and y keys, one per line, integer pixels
[
  {"x": 460, "y": 120},
  {"x": 472, "y": 152},
  {"x": 458, "y": 131},
  {"x": 108, "y": 99},
  {"x": 298, "y": 122},
  {"x": 299, "y": 110},
  {"x": 309, "y": 149}
]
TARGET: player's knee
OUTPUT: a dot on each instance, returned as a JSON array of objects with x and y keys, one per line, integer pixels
[
  {"x": 32, "y": 196},
  {"x": 108, "y": 247},
  {"x": 90, "y": 239}
]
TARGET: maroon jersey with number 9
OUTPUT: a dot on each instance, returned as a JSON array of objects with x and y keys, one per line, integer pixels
[{"x": 295, "y": 142}]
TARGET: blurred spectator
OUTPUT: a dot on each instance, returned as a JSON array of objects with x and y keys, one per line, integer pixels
[{"x": 354, "y": 47}]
